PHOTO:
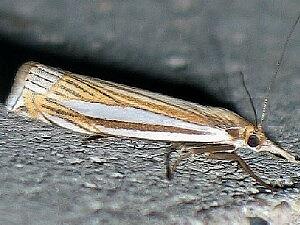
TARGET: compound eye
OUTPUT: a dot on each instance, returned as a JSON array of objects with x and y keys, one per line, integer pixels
[{"x": 253, "y": 140}]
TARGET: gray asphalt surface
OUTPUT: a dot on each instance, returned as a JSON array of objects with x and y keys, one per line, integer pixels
[{"x": 47, "y": 174}]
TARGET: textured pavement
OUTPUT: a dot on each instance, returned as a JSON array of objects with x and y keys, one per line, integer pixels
[
  {"x": 48, "y": 176},
  {"x": 185, "y": 48}
]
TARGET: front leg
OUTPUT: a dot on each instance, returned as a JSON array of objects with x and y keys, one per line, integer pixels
[
  {"x": 185, "y": 153},
  {"x": 188, "y": 150},
  {"x": 232, "y": 156},
  {"x": 219, "y": 151}
]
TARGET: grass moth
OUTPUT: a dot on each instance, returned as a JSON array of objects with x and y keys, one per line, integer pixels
[{"x": 99, "y": 107}]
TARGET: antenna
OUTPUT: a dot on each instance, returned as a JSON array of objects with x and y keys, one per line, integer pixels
[
  {"x": 251, "y": 100},
  {"x": 279, "y": 62}
]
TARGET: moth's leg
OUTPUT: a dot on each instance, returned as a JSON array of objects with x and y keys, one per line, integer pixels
[
  {"x": 186, "y": 151},
  {"x": 95, "y": 137},
  {"x": 234, "y": 157},
  {"x": 221, "y": 152},
  {"x": 167, "y": 164},
  {"x": 172, "y": 148}
]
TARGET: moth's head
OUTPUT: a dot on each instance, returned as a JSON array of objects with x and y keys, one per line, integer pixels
[{"x": 254, "y": 137}]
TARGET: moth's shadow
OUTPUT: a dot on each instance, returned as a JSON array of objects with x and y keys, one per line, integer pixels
[{"x": 13, "y": 55}]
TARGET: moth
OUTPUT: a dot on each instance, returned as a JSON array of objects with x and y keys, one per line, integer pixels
[{"x": 99, "y": 107}]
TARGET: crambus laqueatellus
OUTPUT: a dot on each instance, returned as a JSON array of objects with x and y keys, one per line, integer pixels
[
  {"x": 98, "y": 107},
  {"x": 95, "y": 106}
]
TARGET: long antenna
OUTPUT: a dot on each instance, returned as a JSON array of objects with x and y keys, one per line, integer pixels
[
  {"x": 251, "y": 100},
  {"x": 265, "y": 104}
]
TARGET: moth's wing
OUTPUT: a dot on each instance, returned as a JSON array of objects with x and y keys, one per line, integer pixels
[
  {"x": 37, "y": 85},
  {"x": 59, "y": 84}
]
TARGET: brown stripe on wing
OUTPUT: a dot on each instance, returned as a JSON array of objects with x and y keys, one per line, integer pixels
[
  {"x": 95, "y": 89},
  {"x": 72, "y": 87},
  {"x": 145, "y": 127}
]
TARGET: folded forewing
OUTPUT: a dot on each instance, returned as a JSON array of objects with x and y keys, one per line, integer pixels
[{"x": 93, "y": 106}]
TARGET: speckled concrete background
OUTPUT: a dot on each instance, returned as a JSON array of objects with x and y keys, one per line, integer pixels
[{"x": 185, "y": 48}]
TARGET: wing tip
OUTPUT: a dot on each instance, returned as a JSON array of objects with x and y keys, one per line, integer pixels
[{"x": 14, "y": 97}]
